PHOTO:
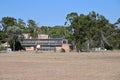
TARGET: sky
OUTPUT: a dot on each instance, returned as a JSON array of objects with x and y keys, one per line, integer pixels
[{"x": 53, "y": 12}]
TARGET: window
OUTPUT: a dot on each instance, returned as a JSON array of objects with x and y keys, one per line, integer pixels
[{"x": 64, "y": 41}]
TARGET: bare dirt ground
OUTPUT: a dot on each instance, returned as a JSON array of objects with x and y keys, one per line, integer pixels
[{"x": 60, "y": 66}]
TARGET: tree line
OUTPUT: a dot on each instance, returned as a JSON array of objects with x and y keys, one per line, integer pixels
[{"x": 84, "y": 32}]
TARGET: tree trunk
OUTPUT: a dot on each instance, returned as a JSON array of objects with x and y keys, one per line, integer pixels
[
  {"x": 14, "y": 45},
  {"x": 88, "y": 45}
]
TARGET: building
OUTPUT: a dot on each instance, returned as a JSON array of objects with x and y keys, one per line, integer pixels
[
  {"x": 43, "y": 36},
  {"x": 46, "y": 43},
  {"x": 27, "y": 36}
]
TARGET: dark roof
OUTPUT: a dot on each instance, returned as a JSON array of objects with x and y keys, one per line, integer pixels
[{"x": 51, "y": 41}]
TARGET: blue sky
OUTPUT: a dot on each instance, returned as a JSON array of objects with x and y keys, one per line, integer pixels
[{"x": 53, "y": 12}]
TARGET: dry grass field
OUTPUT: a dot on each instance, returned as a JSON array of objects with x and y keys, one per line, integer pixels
[{"x": 60, "y": 66}]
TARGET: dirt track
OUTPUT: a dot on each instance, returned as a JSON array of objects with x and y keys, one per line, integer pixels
[{"x": 60, "y": 66}]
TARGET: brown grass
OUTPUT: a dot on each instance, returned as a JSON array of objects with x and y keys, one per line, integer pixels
[{"x": 60, "y": 66}]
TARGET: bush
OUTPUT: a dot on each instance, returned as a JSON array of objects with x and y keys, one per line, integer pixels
[
  {"x": 108, "y": 47},
  {"x": 62, "y": 50},
  {"x": 1, "y": 48}
]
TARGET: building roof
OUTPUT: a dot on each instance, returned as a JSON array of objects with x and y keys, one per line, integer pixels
[{"x": 51, "y": 41}]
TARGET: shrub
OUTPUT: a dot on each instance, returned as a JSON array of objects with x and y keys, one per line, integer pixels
[
  {"x": 1, "y": 48},
  {"x": 108, "y": 47},
  {"x": 62, "y": 50}
]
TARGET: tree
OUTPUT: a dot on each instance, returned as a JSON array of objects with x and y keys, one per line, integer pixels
[
  {"x": 14, "y": 34},
  {"x": 8, "y": 21},
  {"x": 21, "y": 23},
  {"x": 70, "y": 17},
  {"x": 2, "y": 37},
  {"x": 70, "y": 30},
  {"x": 80, "y": 26},
  {"x": 115, "y": 39},
  {"x": 1, "y": 27},
  {"x": 69, "y": 34},
  {"x": 89, "y": 31},
  {"x": 32, "y": 26},
  {"x": 78, "y": 29},
  {"x": 57, "y": 32},
  {"x": 44, "y": 30}
]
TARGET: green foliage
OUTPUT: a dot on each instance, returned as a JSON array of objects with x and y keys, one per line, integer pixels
[
  {"x": 13, "y": 33},
  {"x": 21, "y": 24},
  {"x": 54, "y": 32},
  {"x": 92, "y": 30},
  {"x": 62, "y": 50},
  {"x": 57, "y": 32},
  {"x": 3, "y": 36},
  {"x": 1, "y": 48},
  {"x": 8, "y": 21},
  {"x": 32, "y": 24}
]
